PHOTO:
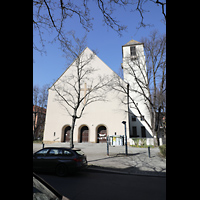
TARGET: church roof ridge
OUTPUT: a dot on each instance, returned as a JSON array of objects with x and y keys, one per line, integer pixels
[
  {"x": 76, "y": 59},
  {"x": 131, "y": 42}
]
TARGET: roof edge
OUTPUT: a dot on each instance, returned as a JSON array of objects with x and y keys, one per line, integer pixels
[
  {"x": 75, "y": 60},
  {"x": 68, "y": 67},
  {"x": 140, "y": 43}
]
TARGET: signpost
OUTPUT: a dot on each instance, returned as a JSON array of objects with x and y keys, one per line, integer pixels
[
  {"x": 114, "y": 140},
  {"x": 117, "y": 140}
]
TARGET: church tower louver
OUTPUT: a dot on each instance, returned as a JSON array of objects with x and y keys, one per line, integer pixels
[{"x": 135, "y": 74}]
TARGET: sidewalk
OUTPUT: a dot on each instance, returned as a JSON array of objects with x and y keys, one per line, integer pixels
[{"x": 136, "y": 162}]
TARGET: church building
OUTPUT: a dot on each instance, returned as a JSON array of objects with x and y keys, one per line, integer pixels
[{"x": 100, "y": 106}]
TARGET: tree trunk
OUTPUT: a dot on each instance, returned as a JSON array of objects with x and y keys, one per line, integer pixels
[
  {"x": 155, "y": 138},
  {"x": 154, "y": 129},
  {"x": 72, "y": 131}
]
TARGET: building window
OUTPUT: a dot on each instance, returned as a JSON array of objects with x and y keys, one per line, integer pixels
[
  {"x": 133, "y": 51},
  {"x": 143, "y": 130},
  {"x": 133, "y": 118},
  {"x": 134, "y": 132}
]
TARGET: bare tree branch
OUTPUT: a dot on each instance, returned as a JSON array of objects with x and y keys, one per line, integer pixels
[
  {"x": 52, "y": 15},
  {"x": 148, "y": 85},
  {"x": 69, "y": 87}
]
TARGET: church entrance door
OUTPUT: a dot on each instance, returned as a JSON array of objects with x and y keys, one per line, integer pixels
[
  {"x": 102, "y": 134},
  {"x": 67, "y": 134},
  {"x": 84, "y": 134}
]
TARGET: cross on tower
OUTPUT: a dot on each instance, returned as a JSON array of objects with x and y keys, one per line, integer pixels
[{"x": 85, "y": 90}]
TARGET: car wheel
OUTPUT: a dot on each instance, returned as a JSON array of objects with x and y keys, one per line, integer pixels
[{"x": 61, "y": 170}]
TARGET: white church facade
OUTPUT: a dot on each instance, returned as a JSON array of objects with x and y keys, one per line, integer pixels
[{"x": 102, "y": 116}]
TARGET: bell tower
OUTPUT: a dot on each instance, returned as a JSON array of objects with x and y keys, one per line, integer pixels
[
  {"x": 135, "y": 74},
  {"x": 133, "y": 59}
]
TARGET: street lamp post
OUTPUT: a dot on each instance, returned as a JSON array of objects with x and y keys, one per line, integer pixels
[{"x": 126, "y": 150}]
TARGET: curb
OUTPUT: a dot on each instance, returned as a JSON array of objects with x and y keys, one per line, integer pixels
[{"x": 113, "y": 171}]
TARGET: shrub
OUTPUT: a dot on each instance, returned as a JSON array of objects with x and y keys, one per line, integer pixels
[
  {"x": 141, "y": 143},
  {"x": 163, "y": 150}
]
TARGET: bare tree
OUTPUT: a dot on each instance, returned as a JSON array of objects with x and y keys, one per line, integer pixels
[
  {"x": 78, "y": 88},
  {"x": 39, "y": 108},
  {"x": 148, "y": 81},
  {"x": 53, "y": 15},
  {"x": 40, "y": 95},
  {"x": 155, "y": 51}
]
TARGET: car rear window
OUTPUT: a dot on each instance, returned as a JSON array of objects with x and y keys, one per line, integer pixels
[
  {"x": 42, "y": 152},
  {"x": 79, "y": 152}
]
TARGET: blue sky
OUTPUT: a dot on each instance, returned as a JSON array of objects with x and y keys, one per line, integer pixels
[{"x": 47, "y": 68}]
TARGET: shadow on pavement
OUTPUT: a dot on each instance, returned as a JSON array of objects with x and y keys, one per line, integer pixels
[
  {"x": 117, "y": 155},
  {"x": 135, "y": 164},
  {"x": 125, "y": 171}
]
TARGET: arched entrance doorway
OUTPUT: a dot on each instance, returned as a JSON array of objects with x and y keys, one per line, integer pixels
[
  {"x": 101, "y": 134},
  {"x": 66, "y": 137},
  {"x": 84, "y": 134}
]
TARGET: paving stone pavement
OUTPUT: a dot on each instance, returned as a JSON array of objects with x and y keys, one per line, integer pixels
[{"x": 137, "y": 161}]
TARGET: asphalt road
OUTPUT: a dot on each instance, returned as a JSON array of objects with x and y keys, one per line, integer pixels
[{"x": 98, "y": 185}]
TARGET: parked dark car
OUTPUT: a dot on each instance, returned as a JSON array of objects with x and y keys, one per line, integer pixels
[
  {"x": 59, "y": 160},
  {"x": 42, "y": 190}
]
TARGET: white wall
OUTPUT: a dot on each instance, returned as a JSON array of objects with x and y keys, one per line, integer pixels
[
  {"x": 128, "y": 67},
  {"x": 109, "y": 113}
]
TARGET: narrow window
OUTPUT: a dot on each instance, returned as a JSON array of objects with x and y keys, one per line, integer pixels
[
  {"x": 134, "y": 132},
  {"x": 133, "y": 51},
  {"x": 143, "y": 130}
]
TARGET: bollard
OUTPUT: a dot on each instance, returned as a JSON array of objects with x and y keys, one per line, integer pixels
[
  {"x": 149, "y": 151},
  {"x": 108, "y": 145},
  {"x": 42, "y": 145}
]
